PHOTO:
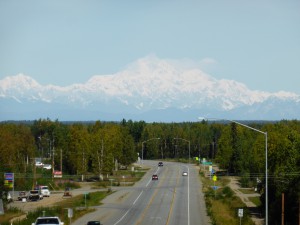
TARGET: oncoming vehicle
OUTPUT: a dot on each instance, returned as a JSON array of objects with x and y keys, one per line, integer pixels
[
  {"x": 51, "y": 220},
  {"x": 35, "y": 195},
  {"x": 22, "y": 195},
  {"x": 154, "y": 177},
  {"x": 184, "y": 174},
  {"x": 45, "y": 191},
  {"x": 160, "y": 164}
]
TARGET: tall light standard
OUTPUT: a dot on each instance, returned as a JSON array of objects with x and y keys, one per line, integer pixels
[
  {"x": 189, "y": 146},
  {"x": 143, "y": 146},
  {"x": 266, "y": 153}
]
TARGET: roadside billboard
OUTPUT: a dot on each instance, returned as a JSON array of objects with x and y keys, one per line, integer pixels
[{"x": 57, "y": 174}]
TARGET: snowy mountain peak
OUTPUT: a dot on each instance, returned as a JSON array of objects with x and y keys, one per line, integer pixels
[
  {"x": 148, "y": 84},
  {"x": 19, "y": 81}
]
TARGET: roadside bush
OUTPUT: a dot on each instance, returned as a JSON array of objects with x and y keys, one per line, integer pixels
[
  {"x": 245, "y": 180},
  {"x": 227, "y": 192}
]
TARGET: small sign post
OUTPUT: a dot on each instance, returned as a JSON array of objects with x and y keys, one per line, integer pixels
[
  {"x": 86, "y": 193},
  {"x": 215, "y": 179},
  {"x": 70, "y": 214},
  {"x": 240, "y": 214},
  {"x": 1, "y": 207}
]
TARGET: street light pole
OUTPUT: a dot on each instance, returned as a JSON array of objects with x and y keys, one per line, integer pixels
[
  {"x": 189, "y": 146},
  {"x": 266, "y": 163},
  {"x": 143, "y": 146}
]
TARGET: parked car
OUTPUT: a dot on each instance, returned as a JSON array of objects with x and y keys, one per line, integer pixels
[
  {"x": 35, "y": 195},
  {"x": 47, "y": 166},
  {"x": 51, "y": 220},
  {"x": 160, "y": 164},
  {"x": 154, "y": 177},
  {"x": 94, "y": 223},
  {"x": 39, "y": 164},
  {"x": 45, "y": 191}
]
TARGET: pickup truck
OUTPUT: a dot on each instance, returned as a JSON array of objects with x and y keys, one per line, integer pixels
[
  {"x": 50, "y": 220},
  {"x": 35, "y": 195}
]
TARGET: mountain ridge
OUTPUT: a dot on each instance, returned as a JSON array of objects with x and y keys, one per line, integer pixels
[{"x": 145, "y": 86}]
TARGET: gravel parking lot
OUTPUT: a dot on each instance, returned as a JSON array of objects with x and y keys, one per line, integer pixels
[{"x": 54, "y": 199}]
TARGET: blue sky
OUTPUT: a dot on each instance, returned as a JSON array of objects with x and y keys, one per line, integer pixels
[{"x": 63, "y": 42}]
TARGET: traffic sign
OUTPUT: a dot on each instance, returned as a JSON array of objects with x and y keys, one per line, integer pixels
[
  {"x": 240, "y": 212},
  {"x": 214, "y": 178},
  {"x": 70, "y": 212}
]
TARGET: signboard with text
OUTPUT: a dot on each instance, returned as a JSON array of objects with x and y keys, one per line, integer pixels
[
  {"x": 9, "y": 180},
  {"x": 57, "y": 174}
]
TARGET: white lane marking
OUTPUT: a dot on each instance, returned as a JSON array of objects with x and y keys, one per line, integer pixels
[
  {"x": 188, "y": 195},
  {"x": 138, "y": 197},
  {"x": 148, "y": 183},
  {"x": 122, "y": 217},
  {"x": 135, "y": 201},
  {"x": 188, "y": 206}
]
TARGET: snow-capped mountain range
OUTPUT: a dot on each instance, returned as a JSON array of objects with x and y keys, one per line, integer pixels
[{"x": 150, "y": 90}]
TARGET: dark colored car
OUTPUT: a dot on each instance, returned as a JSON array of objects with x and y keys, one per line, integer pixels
[
  {"x": 160, "y": 164},
  {"x": 94, "y": 223},
  {"x": 154, "y": 177}
]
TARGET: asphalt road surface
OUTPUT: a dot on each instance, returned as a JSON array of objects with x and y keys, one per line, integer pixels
[{"x": 172, "y": 199}]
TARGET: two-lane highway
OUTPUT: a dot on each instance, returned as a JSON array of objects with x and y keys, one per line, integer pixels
[{"x": 172, "y": 199}]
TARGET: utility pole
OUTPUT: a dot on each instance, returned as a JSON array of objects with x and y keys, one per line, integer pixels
[
  {"x": 53, "y": 150},
  {"x": 282, "y": 208},
  {"x": 60, "y": 160}
]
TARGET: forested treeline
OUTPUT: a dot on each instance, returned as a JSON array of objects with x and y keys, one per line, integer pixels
[{"x": 93, "y": 148}]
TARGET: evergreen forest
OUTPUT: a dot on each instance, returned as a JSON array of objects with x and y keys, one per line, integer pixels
[{"x": 96, "y": 147}]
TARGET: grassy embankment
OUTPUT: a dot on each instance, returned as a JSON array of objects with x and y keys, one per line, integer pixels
[{"x": 222, "y": 204}]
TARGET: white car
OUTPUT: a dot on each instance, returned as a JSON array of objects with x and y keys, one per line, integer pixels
[
  {"x": 48, "y": 221},
  {"x": 39, "y": 164},
  {"x": 45, "y": 191},
  {"x": 184, "y": 174},
  {"x": 47, "y": 166}
]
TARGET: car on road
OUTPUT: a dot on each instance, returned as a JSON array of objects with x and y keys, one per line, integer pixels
[
  {"x": 160, "y": 164},
  {"x": 94, "y": 223},
  {"x": 51, "y": 220},
  {"x": 184, "y": 173},
  {"x": 22, "y": 195},
  {"x": 154, "y": 177},
  {"x": 35, "y": 195},
  {"x": 45, "y": 191}
]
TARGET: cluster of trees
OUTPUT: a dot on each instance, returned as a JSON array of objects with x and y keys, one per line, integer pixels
[{"x": 95, "y": 147}]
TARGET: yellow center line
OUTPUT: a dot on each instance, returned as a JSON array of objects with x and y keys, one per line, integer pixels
[
  {"x": 174, "y": 193},
  {"x": 150, "y": 202}
]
